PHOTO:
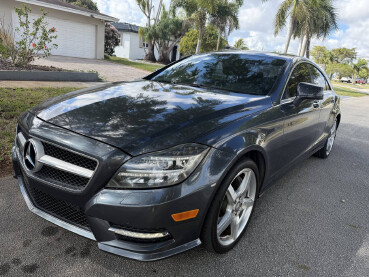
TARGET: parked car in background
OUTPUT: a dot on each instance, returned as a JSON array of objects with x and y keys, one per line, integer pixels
[
  {"x": 360, "y": 81},
  {"x": 157, "y": 166},
  {"x": 346, "y": 80}
]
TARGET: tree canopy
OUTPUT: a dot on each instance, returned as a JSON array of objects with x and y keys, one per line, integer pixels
[
  {"x": 240, "y": 44},
  {"x": 88, "y": 4},
  {"x": 188, "y": 43}
]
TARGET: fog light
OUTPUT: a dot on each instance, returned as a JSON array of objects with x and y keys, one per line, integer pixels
[
  {"x": 138, "y": 235},
  {"x": 185, "y": 215}
]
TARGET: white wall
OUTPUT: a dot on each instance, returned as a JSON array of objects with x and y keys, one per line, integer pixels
[
  {"x": 7, "y": 8},
  {"x": 130, "y": 49}
]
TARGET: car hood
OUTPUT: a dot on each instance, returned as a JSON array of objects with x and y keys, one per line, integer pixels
[{"x": 145, "y": 116}]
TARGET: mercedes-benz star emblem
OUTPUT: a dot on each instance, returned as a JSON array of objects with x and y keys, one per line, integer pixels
[{"x": 33, "y": 151}]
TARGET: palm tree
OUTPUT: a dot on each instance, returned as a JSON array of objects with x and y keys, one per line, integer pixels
[
  {"x": 240, "y": 44},
  {"x": 226, "y": 18},
  {"x": 198, "y": 11},
  {"x": 362, "y": 64},
  {"x": 319, "y": 20},
  {"x": 289, "y": 9}
]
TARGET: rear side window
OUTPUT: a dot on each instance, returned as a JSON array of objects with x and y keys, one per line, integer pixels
[
  {"x": 318, "y": 78},
  {"x": 300, "y": 74}
]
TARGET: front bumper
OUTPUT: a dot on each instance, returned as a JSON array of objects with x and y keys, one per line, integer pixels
[{"x": 137, "y": 210}]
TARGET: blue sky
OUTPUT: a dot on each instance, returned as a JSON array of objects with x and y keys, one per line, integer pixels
[{"x": 256, "y": 20}]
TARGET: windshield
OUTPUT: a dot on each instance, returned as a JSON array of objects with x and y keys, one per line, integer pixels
[{"x": 242, "y": 73}]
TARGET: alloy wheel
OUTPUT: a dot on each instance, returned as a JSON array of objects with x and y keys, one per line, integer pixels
[
  {"x": 331, "y": 138},
  {"x": 236, "y": 207}
]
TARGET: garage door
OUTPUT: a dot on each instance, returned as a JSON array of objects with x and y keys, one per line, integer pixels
[{"x": 74, "y": 39}]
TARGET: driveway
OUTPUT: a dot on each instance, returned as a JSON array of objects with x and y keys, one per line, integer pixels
[
  {"x": 110, "y": 72},
  {"x": 312, "y": 222}
]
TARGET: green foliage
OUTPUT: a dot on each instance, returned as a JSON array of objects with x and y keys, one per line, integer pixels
[
  {"x": 188, "y": 43},
  {"x": 343, "y": 70},
  {"x": 307, "y": 18},
  {"x": 364, "y": 73},
  {"x": 166, "y": 33},
  {"x": 111, "y": 39},
  {"x": 321, "y": 55},
  {"x": 34, "y": 38},
  {"x": 344, "y": 55},
  {"x": 240, "y": 44},
  {"x": 198, "y": 12},
  {"x": 225, "y": 19},
  {"x": 88, "y": 4},
  {"x": 361, "y": 67}
]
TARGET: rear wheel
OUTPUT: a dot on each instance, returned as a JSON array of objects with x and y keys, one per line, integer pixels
[
  {"x": 232, "y": 208},
  {"x": 326, "y": 150}
]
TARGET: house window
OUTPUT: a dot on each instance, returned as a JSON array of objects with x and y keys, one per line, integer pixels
[{"x": 143, "y": 44}]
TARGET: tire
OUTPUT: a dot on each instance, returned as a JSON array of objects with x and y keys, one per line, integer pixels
[
  {"x": 223, "y": 207},
  {"x": 328, "y": 146}
]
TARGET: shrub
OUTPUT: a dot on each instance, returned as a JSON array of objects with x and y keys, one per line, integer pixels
[
  {"x": 34, "y": 39},
  {"x": 7, "y": 48},
  {"x": 111, "y": 39}
]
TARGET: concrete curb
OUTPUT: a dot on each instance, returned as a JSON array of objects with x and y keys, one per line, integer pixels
[{"x": 48, "y": 76}]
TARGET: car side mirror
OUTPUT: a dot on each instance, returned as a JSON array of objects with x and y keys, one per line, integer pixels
[{"x": 308, "y": 91}]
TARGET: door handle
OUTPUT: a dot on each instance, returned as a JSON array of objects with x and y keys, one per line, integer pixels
[{"x": 316, "y": 105}]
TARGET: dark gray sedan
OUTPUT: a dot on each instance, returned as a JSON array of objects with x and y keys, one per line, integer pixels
[{"x": 157, "y": 166}]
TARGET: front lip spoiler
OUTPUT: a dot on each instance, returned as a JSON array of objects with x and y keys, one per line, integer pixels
[
  {"x": 105, "y": 246},
  {"x": 51, "y": 218}
]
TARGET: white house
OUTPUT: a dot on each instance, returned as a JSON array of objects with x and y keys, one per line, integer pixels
[
  {"x": 81, "y": 32},
  {"x": 132, "y": 46}
]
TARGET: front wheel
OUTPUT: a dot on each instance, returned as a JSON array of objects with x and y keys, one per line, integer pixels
[
  {"x": 326, "y": 150},
  {"x": 232, "y": 208}
]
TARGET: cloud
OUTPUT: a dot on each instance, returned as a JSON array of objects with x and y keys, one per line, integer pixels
[{"x": 256, "y": 24}]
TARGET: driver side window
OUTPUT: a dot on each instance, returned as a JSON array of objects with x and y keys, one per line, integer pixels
[{"x": 300, "y": 74}]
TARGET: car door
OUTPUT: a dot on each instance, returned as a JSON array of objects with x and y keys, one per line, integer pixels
[
  {"x": 326, "y": 105},
  {"x": 301, "y": 121}
]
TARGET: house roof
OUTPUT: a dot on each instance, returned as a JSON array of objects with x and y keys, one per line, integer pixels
[
  {"x": 63, "y": 6},
  {"x": 126, "y": 27}
]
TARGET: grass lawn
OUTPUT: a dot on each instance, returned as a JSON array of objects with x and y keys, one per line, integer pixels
[
  {"x": 13, "y": 102},
  {"x": 139, "y": 65},
  {"x": 348, "y": 92}
]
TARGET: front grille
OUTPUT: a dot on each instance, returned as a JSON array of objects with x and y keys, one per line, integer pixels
[
  {"x": 68, "y": 156},
  {"x": 61, "y": 178},
  {"x": 56, "y": 207}
]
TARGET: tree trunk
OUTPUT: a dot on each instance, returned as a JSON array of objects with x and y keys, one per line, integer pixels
[
  {"x": 303, "y": 48},
  {"x": 164, "y": 55},
  {"x": 219, "y": 38},
  {"x": 308, "y": 49},
  {"x": 150, "y": 55},
  {"x": 300, "y": 46},
  {"x": 289, "y": 36},
  {"x": 198, "y": 47}
]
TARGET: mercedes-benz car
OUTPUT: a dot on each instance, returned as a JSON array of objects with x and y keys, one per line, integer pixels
[{"x": 156, "y": 166}]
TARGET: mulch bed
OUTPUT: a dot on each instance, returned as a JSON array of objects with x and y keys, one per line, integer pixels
[{"x": 6, "y": 65}]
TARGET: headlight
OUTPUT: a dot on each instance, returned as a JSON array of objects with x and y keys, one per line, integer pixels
[{"x": 159, "y": 169}]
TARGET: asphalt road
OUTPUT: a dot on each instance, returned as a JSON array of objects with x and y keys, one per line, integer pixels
[{"x": 312, "y": 222}]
